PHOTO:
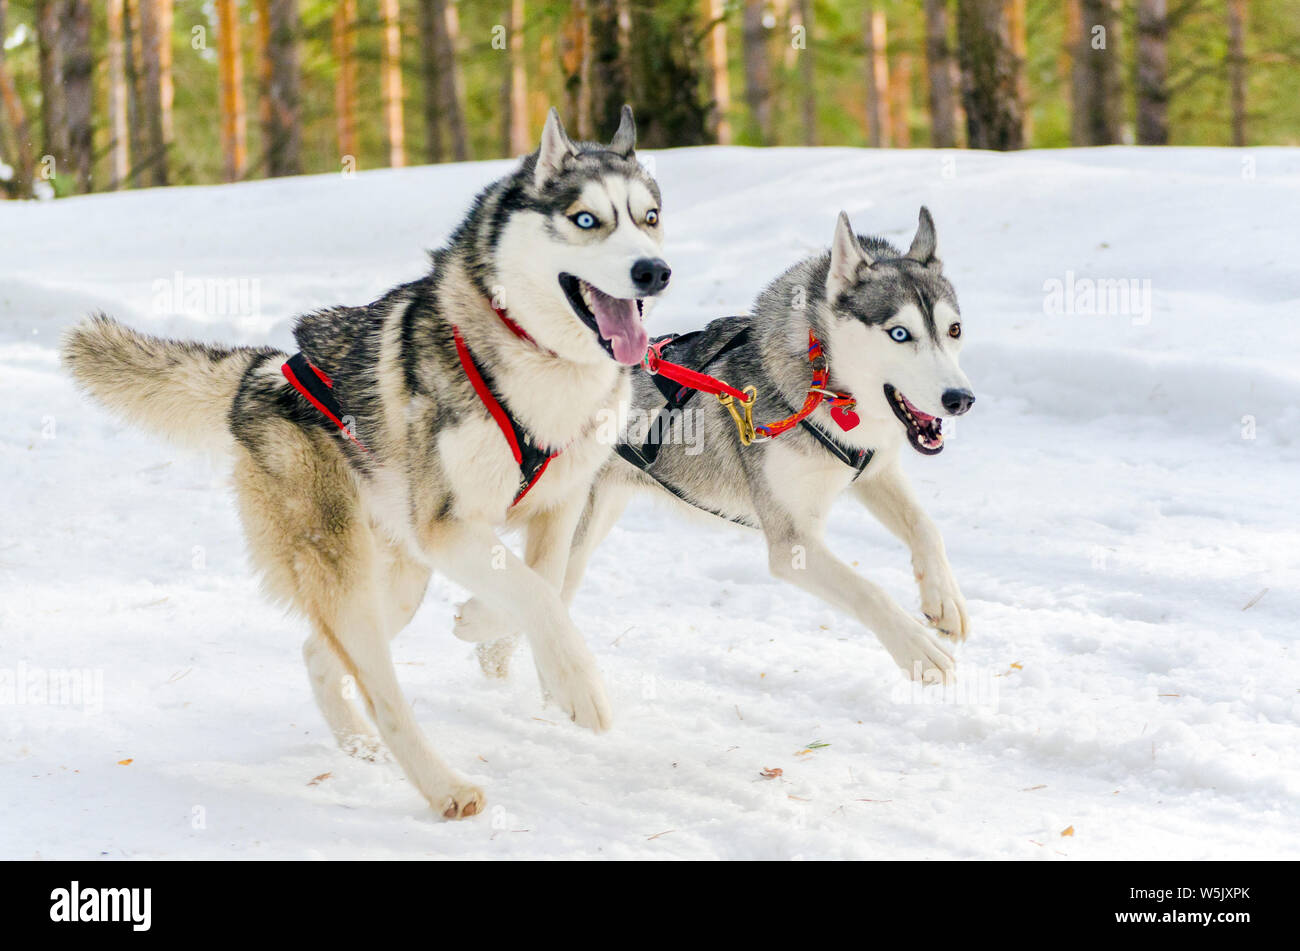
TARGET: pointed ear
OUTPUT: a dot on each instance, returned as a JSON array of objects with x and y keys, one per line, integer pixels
[
  {"x": 555, "y": 148},
  {"x": 925, "y": 243},
  {"x": 624, "y": 141},
  {"x": 848, "y": 259}
]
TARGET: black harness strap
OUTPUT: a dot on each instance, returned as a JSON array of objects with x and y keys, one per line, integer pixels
[
  {"x": 317, "y": 388},
  {"x": 631, "y": 454},
  {"x": 857, "y": 459}
]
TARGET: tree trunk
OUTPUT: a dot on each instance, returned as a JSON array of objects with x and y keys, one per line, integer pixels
[
  {"x": 758, "y": 71},
  {"x": 940, "y": 68},
  {"x": 877, "y": 98},
  {"x": 990, "y": 82},
  {"x": 134, "y": 87},
  {"x": 611, "y": 75},
  {"x": 715, "y": 23},
  {"x": 1020, "y": 47},
  {"x": 54, "y": 104},
  {"x": 575, "y": 60},
  {"x": 166, "y": 88},
  {"x": 345, "y": 82},
  {"x": 119, "y": 143},
  {"x": 451, "y": 86},
  {"x": 282, "y": 117},
  {"x": 262, "y": 57},
  {"x": 430, "y": 79},
  {"x": 1152, "y": 73},
  {"x": 807, "y": 74},
  {"x": 1237, "y": 68},
  {"x": 668, "y": 79},
  {"x": 151, "y": 43},
  {"x": 79, "y": 89},
  {"x": 16, "y": 120},
  {"x": 900, "y": 102},
  {"x": 1096, "y": 75},
  {"x": 234, "y": 144},
  {"x": 515, "y": 137},
  {"x": 392, "y": 84}
]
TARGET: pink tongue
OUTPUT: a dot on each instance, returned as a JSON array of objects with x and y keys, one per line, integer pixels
[
  {"x": 619, "y": 322},
  {"x": 923, "y": 417}
]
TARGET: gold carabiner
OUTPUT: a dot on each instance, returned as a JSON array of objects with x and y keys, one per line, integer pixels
[{"x": 745, "y": 423}]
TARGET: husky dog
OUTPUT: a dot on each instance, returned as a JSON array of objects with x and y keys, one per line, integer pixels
[
  {"x": 407, "y": 431},
  {"x": 889, "y": 332}
]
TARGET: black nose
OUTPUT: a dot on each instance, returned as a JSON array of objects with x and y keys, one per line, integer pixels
[
  {"x": 650, "y": 275},
  {"x": 957, "y": 402}
]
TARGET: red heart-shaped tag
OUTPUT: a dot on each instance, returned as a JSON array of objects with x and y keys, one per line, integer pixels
[{"x": 844, "y": 417}]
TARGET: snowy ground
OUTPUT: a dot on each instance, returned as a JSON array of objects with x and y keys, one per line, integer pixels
[{"x": 1106, "y": 509}]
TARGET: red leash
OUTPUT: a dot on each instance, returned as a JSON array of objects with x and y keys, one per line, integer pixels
[{"x": 693, "y": 379}]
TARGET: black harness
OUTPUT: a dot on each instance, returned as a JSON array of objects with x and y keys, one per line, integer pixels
[{"x": 686, "y": 350}]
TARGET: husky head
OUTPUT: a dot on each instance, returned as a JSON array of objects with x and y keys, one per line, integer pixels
[
  {"x": 576, "y": 245},
  {"x": 895, "y": 331}
]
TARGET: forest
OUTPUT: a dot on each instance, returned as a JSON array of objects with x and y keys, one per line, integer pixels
[{"x": 115, "y": 94}]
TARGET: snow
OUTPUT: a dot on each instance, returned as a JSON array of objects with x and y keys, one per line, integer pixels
[{"x": 1120, "y": 510}]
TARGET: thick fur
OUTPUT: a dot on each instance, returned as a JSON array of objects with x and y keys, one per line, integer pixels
[
  {"x": 851, "y": 296},
  {"x": 348, "y": 537}
]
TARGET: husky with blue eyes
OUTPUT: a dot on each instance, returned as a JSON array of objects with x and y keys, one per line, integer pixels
[
  {"x": 407, "y": 432},
  {"x": 853, "y": 357}
]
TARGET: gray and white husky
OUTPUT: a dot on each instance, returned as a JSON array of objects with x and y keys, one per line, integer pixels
[
  {"x": 409, "y": 430},
  {"x": 890, "y": 334}
]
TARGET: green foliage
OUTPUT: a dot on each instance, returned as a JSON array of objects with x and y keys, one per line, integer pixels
[{"x": 668, "y": 34}]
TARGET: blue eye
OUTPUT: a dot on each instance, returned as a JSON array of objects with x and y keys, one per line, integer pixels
[
  {"x": 652, "y": 217},
  {"x": 585, "y": 220},
  {"x": 900, "y": 334}
]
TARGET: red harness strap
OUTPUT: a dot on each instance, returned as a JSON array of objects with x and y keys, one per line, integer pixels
[
  {"x": 532, "y": 460},
  {"x": 694, "y": 379}
]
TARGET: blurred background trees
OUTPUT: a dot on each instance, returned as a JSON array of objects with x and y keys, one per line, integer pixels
[{"x": 132, "y": 93}]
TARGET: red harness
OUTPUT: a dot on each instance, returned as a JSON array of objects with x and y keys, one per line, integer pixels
[
  {"x": 531, "y": 459},
  {"x": 316, "y": 387}
]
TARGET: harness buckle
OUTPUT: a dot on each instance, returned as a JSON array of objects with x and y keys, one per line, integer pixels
[{"x": 744, "y": 421}]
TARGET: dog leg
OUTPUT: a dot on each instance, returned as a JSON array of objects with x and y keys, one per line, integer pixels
[
  {"x": 808, "y": 564},
  {"x": 477, "y": 622},
  {"x": 364, "y": 642},
  {"x": 307, "y": 535},
  {"x": 890, "y": 499},
  {"x": 468, "y": 554},
  {"x": 605, "y": 503},
  {"x": 335, "y": 689}
]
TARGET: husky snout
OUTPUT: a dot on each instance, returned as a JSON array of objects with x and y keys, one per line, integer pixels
[
  {"x": 650, "y": 276},
  {"x": 955, "y": 402}
]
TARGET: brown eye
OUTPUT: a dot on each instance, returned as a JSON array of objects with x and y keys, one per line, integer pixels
[
  {"x": 652, "y": 217},
  {"x": 954, "y": 331}
]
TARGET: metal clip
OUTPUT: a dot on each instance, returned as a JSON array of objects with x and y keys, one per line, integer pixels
[{"x": 745, "y": 422}]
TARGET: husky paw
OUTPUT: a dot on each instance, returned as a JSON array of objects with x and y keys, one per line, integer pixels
[
  {"x": 494, "y": 656},
  {"x": 570, "y": 680},
  {"x": 920, "y": 654},
  {"x": 941, "y": 601},
  {"x": 476, "y": 622},
  {"x": 460, "y": 802}
]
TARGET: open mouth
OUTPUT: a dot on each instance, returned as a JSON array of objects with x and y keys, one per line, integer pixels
[
  {"x": 924, "y": 431},
  {"x": 615, "y": 320}
]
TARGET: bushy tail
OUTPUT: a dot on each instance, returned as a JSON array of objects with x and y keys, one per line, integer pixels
[{"x": 177, "y": 389}]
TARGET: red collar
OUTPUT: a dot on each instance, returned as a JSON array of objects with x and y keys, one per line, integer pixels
[
  {"x": 841, "y": 403},
  {"x": 513, "y": 326}
]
